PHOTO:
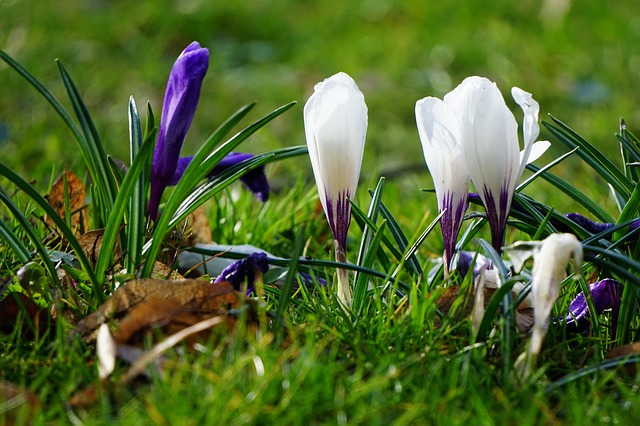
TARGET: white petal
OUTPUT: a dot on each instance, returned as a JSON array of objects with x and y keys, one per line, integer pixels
[
  {"x": 439, "y": 129},
  {"x": 530, "y": 126},
  {"x": 537, "y": 149},
  {"x": 490, "y": 136},
  {"x": 335, "y": 119}
]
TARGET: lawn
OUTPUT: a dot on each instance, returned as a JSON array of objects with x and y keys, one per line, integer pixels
[{"x": 294, "y": 355}]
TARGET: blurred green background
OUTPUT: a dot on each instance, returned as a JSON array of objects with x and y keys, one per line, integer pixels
[{"x": 581, "y": 61}]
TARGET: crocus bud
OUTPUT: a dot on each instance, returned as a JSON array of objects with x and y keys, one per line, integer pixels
[
  {"x": 335, "y": 122},
  {"x": 180, "y": 102}
]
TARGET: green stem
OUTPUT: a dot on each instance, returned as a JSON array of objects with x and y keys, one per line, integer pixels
[{"x": 344, "y": 291}]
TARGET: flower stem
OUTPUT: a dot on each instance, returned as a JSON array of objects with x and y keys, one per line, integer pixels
[{"x": 344, "y": 291}]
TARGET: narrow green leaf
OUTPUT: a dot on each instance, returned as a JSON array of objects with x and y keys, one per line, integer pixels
[
  {"x": 592, "y": 156},
  {"x": 53, "y": 101},
  {"x": 117, "y": 213},
  {"x": 27, "y": 227},
  {"x": 99, "y": 166},
  {"x": 579, "y": 196},
  {"x": 544, "y": 169},
  {"x": 367, "y": 233},
  {"x": 401, "y": 240},
  {"x": 15, "y": 244},
  {"x": 362, "y": 281},
  {"x": 135, "y": 229},
  {"x": 285, "y": 295}
]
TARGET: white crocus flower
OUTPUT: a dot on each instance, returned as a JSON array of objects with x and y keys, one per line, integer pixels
[
  {"x": 440, "y": 128},
  {"x": 549, "y": 265},
  {"x": 335, "y": 121},
  {"x": 489, "y": 141}
]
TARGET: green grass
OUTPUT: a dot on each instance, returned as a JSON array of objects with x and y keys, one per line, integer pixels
[{"x": 397, "y": 362}]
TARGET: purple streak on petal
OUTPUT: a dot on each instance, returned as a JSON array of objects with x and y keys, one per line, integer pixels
[
  {"x": 606, "y": 294},
  {"x": 450, "y": 224},
  {"x": 254, "y": 179},
  {"x": 246, "y": 269},
  {"x": 180, "y": 102},
  {"x": 340, "y": 223},
  {"x": 497, "y": 215}
]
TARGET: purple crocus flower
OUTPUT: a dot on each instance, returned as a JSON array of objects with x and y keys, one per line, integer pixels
[
  {"x": 606, "y": 294},
  {"x": 245, "y": 270},
  {"x": 180, "y": 102},
  {"x": 254, "y": 179}
]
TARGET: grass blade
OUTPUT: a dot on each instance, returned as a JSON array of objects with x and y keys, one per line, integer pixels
[
  {"x": 135, "y": 229},
  {"x": 15, "y": 244},
  {"x": 592, "y": 156}
]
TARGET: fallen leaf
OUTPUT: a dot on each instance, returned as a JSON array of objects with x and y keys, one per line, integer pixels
[
  {"x": 76, "y": 195},
  {"x": 91, "y": 243},
  {"x": 198, "y": 227},
  {"x": 18, "y": 308},
  {"x": 195, "y": 296}
]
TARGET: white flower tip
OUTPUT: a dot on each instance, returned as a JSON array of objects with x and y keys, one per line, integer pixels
[{"x": 537, "y": 149}]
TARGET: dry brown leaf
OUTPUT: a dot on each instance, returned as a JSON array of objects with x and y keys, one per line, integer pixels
[
  {"x": 163, "y": 272},
  {"x": 16, "y": 303},
  {"x": 91, "y": 243},
  {"x": 198, "y": 225},
  {"x": 77, "y": 197},
  {"x": 195, "y": 296}
]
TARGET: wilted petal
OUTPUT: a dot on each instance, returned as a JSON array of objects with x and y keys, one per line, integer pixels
[
  {"x": 254, "y": 179},
  {"x": 245, "y": 270},
  {"x": 335, "y": 121},
  {"x": 549, "y": 266},
  {"x": 180, "y": 102}
]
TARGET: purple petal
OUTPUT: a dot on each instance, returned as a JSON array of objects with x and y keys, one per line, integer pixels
[
  {"x": 245, "y": 270},
  {"x": 180, "y": 102},
  {"x": 606, "y": 294},
  {"x": 254, "y": 179},
  {"x": 465, "y": 258}
]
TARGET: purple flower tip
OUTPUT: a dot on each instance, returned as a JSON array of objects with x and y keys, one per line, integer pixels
[
  {"x": 465, "y": 258},
  {"x": 179, "y": 106},
  {"x": 254, "y": 179},
  {"x": 247, "y": 269},
  {"x": 606, "y": 294}
]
